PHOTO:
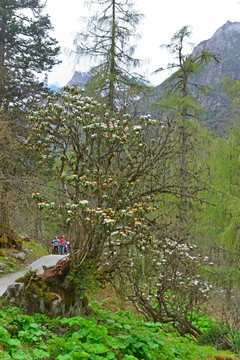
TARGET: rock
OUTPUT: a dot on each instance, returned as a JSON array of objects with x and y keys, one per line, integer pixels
[
  {"x": 27, "y": 251},
  {"x": 14, "y": 292},
  {"x": 44, "y": 301},
  {"x": 6, "y": 258},
  {"x": 2, "y": 265},
  {"x": 51, "y": 293},
  {"x": 24, "y": 237},
  {"x": 2, "y": 272},
  {"x": 19, "y": 256}
]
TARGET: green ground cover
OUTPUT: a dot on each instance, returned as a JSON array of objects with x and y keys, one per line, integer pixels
[{"x": 100, "y": 335}]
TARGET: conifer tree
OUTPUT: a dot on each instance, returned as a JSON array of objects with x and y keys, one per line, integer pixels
[
  {"x": 26, "y": 50},
  {"x": 181, "y": 98},
  {"x": 109, "y": 41}
]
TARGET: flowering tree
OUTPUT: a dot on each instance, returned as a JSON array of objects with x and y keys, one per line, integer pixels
[
  {"x": 109, "y": 171},
  {"x": 163, "y": 280},
  {"x": 110, "y": 175}
]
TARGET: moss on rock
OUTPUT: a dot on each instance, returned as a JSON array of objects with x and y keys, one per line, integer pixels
[
  {"x": 10, "y": 239},
  {"x": 51, "y": 293}
]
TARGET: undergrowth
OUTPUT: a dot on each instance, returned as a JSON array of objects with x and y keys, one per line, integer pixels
[{"x": 102, "y": 335}]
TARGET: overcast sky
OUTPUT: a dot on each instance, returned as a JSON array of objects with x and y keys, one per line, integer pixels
[{"x": 163, "y": 18}]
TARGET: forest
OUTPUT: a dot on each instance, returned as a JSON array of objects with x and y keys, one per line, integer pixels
[{"x": 146, "y": 195}]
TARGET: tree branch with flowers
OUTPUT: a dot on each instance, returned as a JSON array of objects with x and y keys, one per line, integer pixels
[
  {"x": 105, "y": 167},
  {"x": 110, "y": 172},
  {"x": 164, "y": 280}
]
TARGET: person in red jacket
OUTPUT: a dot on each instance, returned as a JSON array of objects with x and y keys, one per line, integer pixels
[{"x": 63, "y": 244}]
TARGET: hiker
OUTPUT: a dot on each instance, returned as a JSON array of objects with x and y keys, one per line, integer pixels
[
  {"x": 63, "y": 244},
  {"x": 67, "y": 248},
  {"x": 55, "y": 245}
]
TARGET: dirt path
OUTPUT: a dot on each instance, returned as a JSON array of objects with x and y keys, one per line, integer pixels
[{"x": 44, "y": 261}]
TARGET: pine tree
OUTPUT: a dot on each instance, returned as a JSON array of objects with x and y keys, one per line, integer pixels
[
  {"x": 26, "y": 50},
  {"x": 181, "y": 99},
  {"x": 109, "y": 41}
]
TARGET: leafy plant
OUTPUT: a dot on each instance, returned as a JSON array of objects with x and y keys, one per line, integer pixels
[
  {"x": 138, "y": 345},
  {"x": 103, "y": 335},
  {"x": 222, "y": 337}
]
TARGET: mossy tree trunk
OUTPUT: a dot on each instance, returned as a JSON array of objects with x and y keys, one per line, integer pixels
[{"x": 8, "y": 237}]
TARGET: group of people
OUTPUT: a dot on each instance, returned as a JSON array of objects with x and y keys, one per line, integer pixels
[{"x": 60, "y": 246}]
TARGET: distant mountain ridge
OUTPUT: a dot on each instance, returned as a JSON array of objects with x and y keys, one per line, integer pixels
[
  {"x": 225, "y": 44},
  {"x": 79, "y": 78}
]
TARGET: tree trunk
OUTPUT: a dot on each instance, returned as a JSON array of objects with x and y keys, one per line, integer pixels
[
  {"x": 8, "y": 237},
  {"x": 112, "y": 60}
]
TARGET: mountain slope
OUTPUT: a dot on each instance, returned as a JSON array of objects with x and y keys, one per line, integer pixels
[
  {"x": 225, "y": 44},
  {"x": 79, "y": 78}
]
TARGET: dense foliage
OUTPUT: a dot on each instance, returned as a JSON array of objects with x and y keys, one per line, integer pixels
[{"x": 103, "y": 335}]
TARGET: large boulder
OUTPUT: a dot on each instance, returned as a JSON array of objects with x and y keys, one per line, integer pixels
[
  {"x": 19, "y": 255},
  {"x": 2, "y": 266},
  {"x": 51, "y": 293}
]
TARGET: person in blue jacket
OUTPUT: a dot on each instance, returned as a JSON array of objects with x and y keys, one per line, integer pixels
[{"x": 55, "y": 245}]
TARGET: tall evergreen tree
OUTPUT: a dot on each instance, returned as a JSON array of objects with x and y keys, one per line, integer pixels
[
  {"x": 26, "y": 50},
  {"x": 181, "y": 99},
  {"x": 109, "y": 41}
]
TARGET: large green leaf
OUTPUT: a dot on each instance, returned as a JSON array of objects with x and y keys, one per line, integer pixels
[
  {"x": 95, "y": 348},
  {"x": 40, "y": 354},
  {"x": 112, "y": 342}
]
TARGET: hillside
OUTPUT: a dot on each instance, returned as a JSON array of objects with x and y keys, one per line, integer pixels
[{"x": 225, "y": 44}]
